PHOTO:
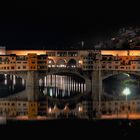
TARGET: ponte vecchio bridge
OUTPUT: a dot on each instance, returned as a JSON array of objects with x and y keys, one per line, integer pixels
[
  {"x": 57, "y": 69},
  {"x": 92, "y": 66}
]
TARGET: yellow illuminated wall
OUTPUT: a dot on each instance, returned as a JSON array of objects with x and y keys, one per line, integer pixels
[
  {"x": 32, "y": 109},
  {"x": 121, "y": 52},
  {"x": 25, "y": 52}
]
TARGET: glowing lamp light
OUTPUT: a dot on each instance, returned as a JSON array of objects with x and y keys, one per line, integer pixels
[
  {"x": 49, "y": 61},
  {"x": 80, "y": 61},
  {"x": 50, "y": 110},
  {"x": 113, "y": 39},
  {"x": 80, "y": 109},
  {"x": 126, "y": 91}
]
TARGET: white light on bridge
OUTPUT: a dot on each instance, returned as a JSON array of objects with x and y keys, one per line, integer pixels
[
  {"x": 80, "y": 62},
  {"x": 80, "y": 109},
  {"x": 61, "y": 66},
  {"x": 73, "y": 66},
  {"x": 5, "y": 82},
  {"x": 51, "y": 93},
  {"x": 50, "y": 110},
  {"x": 126, "y": 92},
  {"x": 10, "y": 77},
  {"x": 45, "y": 91},
  {"x": 5, "y": 75},
  {"x": 113, "y": 38},
  {"x": 49, "y": 61},
  {"x": 45, "y": 81},
  {"x": 14, "y": 79},
  {"x": 127, "y": 74},
  {"x": 40, "y": 82},
  {"x": 23, "y": 82}
]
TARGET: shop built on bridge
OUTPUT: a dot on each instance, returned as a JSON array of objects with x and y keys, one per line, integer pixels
[{"x": 56, "y": 70}]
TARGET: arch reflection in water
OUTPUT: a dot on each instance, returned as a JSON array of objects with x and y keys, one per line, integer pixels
[
  {"x": 62, "y": 86},
  {"x": 10, "y": 84}
]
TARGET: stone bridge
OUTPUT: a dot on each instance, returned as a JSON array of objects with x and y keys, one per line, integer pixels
[
  {"x": 93, "y": 80},
  {"x": 32, "y": 93}
]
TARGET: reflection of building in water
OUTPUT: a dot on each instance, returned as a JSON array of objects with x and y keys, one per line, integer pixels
[
  {"x": 64, "y": 73},
  {"x": 24, "y": 108},
  {"x": 10, "y": 84}
]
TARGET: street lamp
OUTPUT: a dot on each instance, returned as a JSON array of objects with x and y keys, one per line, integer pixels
[{"x": 126, "y": 92}]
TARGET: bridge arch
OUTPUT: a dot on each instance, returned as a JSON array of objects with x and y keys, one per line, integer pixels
[
  {"x": 120, "y": 80},
  {"x": 109, "y": 74},
  {"x": 71, "y": 63},
  {"x": 51, "y": 63},
  {"x": 61, "y": 63}
]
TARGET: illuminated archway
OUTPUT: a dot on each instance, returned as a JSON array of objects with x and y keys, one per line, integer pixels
[
  {"x": 61, "y": 63},
  {"x": 72, "y": 63},
  {"x": 51, "y": 63},
  {"x": 114, "y": 85}
]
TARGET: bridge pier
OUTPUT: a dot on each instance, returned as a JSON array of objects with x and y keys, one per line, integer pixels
[
  {"x": 87, "y": 88},
  {"x": 96, "y": 85},
  {"x": 32, "y": 85}
]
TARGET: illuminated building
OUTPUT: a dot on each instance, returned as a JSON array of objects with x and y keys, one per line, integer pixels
[{"x": 44, "y": 65}]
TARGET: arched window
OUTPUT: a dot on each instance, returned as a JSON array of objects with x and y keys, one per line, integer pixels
[
  {"x": 51, "y": 63},
  {"x": 61, "y": 63},
  {"x": 71, "y": 63}
]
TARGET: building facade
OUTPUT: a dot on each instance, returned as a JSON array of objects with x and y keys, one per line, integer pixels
[{"x": 92, "y": 65}]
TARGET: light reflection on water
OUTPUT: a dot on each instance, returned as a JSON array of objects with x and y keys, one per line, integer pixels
[
  {"x": 62, "y": 86},
  {"x": 56, "y": 86},
  {"x": 10, "y": 84}
]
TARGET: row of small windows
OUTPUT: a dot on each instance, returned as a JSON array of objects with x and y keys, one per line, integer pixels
[
  {"x": 89, "y": 58},
  {"x": 88, "y": 67},
  {"x": 33, "y": 104},
  {"x": 62, "y": 53},
  {"x": 88, "y": 62},
  {"x": 19, "y": 62},
  {"x": 42, "y": 62},
  {"x": 22, "y": 113},
  {"x": 135, "y": 62},
  {"x": 116, "y": 67},
  {"x": 42, "y": 67},
  {"x": 117, "y": 103},
  {"x": 24, "y": 67},
  {"x": 13, "y": 104},
  {"x": 19, "y": 67},
  {"x": 7, "y": 68},
  {"x": 116, "y": 62},
  {"x": 130, "y": 58}
]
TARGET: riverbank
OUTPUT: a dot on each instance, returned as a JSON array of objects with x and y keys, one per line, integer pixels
[{"x": 74, "y": 127}]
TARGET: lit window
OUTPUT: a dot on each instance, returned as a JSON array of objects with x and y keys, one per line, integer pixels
[
  {"x": 50, "y": 110},
  {"x": 80, "y": 61},
  {"x": 80, "y": 109},
  {"x": 49, "y": 61}
]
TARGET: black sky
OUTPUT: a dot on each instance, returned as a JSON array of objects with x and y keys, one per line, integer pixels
[{"x": 37, "y": 26}]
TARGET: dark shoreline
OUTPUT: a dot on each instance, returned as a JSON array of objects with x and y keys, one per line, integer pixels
[{"x": 75, "y": 127}]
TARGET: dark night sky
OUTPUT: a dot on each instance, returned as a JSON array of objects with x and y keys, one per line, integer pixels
[{"x": 28, "y": 26}]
